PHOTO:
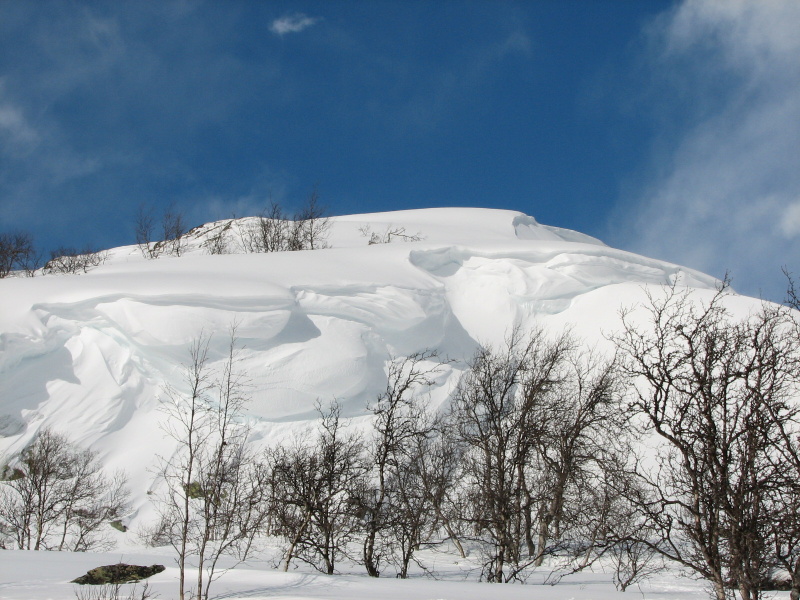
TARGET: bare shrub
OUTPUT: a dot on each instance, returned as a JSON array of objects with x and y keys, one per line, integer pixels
[
  {"x": 275, "y": 231},
  {"x": 115, "y": 591},
  {"x": 390, "y": 234},
  {"x": 68, "y": 260}
]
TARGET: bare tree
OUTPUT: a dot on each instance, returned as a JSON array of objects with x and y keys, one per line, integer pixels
[
  {"x": 186, "y": 423},
  {"x": 314, "y": 486},
  {"x": 233, "y": 494},
  {"x": 631, "y": 541},
  {"x": 214, "y": 499},
  {"x": 581, "y": 428},
  {"x": 538, "y": 418},
  {"x": 173, "y": 228},
  {"x": 438, "y": 462},
  {"x": 220, "y": 241},
  {"x": 311, "y": 225},
  {"x": 493, "y": 414},
  {"x": 388, "y": 501},
  {"x": 792, "y": 293},
  {"x": 295, "y": 493},
  {"x": 715, "y": 390},
  {"x": 59, "y": 498},
  {"x": 274, "y": 231},
  {"x": 17, "y": 253},
  {"x": 411, "y": 518},
  {"x": 91, "y": 500},
  {"x": 269, "y": 232},
  {"x": 33, "y": 503},
  {"x": 144, "y": 228},
  {"x": 172, "y": 231},
  {"x": 784, "y": 531}
]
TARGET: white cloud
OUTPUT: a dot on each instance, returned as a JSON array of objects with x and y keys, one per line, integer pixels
[
  {"x": 726, "y": 192},
  {"x": 17, "y": 135},
  {"x": 790, "y": 223},
  {"x": 292, "y": 24}
]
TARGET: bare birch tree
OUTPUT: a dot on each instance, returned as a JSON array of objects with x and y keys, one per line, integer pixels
[{"x": 214, "y": 499}]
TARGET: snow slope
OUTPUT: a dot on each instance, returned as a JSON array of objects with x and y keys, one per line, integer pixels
[{"x": 89, "y": 354}]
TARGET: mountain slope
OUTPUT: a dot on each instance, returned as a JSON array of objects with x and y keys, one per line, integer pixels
[{"x": 89, "y": 354}]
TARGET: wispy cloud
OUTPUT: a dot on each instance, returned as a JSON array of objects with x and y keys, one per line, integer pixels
[
  {"x": 517, "y": 42},
  {"x": 725, "y": 189},
  {"x": 50, "y": 64},
  {"x": 98, "y": 105},
  {"x": 294, "y": 23},
  {"x": 17, "y": 136}
]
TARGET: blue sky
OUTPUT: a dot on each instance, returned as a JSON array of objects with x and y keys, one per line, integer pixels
[{"x": 666, "y": 128}]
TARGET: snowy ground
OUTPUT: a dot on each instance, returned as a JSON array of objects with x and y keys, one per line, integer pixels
[{"x": 46, "y": 576}]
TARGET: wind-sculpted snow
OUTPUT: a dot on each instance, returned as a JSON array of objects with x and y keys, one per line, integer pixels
[
  {"x": 527, "y": 228},
  {"x": 491, "y": 290},
  {"x": 90, "y": 355}
]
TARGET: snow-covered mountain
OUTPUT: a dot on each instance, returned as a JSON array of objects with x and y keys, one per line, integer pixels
[{"x": 89, "y": 354}]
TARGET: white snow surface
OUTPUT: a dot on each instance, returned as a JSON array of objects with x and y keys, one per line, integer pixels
[
  {"x": 89, "y": 355},
  {"x": 29, "y": 575}
]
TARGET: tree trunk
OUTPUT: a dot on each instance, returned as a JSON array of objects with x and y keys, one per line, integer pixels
[
  {"x": 295, "y": 540},
  {"x": 542, "y": 541},
  {"x": 369, "y": 554},
  {"x": 719, "y": 589},
  {"x": 455, "y": 539},
  {"x": 497, "y": 576},
  {"x": 795, "y": 573}
]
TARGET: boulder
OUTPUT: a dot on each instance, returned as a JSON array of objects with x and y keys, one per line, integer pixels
[{"x": 119, "y": 573}]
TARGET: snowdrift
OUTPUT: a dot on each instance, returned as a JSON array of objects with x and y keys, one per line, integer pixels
[{"x": 88, "y": 355}]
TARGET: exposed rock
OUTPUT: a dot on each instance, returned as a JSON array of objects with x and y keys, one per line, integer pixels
[{"x": 119, "y": 573}]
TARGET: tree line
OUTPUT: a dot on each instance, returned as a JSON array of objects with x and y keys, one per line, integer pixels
[{"x": 680, "y": 446}]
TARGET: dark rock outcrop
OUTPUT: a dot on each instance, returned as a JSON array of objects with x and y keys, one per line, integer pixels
[{"x": 119, "y": 573}]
